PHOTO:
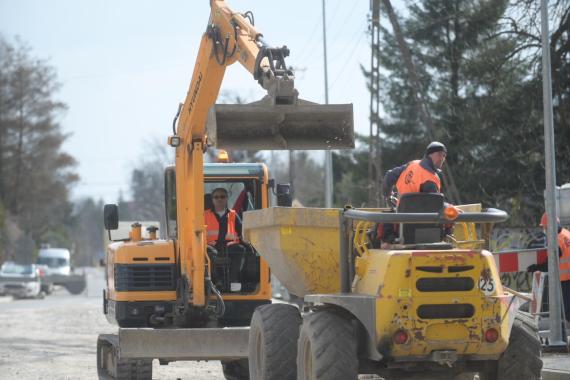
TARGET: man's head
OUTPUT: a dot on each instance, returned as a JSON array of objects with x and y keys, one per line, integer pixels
[
  {"x": 437, "y": 152},
  {"x": 220, "y": 199}
]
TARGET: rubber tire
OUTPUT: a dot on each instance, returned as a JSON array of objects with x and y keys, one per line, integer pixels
[
  {"x": 521, "y": 359},
  {"x": 236, "y": 369},
  {"x": 273, "y": 342},
  {"x": 327, "y": 348}
]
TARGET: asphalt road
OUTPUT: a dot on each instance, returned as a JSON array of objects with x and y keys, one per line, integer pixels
[{"x": 55, "y": 338}]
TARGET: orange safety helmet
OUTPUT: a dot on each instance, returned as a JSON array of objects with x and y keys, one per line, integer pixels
[{"x": 544, "y": 220}]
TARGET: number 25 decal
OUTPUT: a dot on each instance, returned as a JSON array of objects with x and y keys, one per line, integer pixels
[{"x": 487, "y": 285}]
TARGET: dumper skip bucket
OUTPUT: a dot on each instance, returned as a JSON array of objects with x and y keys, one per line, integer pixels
[
  {"x": 301, "y": 246},
  {"x": 265, "y": 126}
]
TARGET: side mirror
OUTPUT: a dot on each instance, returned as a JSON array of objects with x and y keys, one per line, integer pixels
[
  {"x": 111, "y": 217},
  {"x": 284, "y": 197}
]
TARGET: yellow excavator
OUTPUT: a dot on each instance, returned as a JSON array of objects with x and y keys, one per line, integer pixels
[{"x": 170, "y": 299}]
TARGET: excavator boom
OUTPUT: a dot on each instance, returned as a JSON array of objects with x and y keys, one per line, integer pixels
[{"x": 279, "y": 121}]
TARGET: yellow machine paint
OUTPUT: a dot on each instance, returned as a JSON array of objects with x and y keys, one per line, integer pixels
[
  {"x": 143, "y": 278},
  {"x": 301, "y": 246},
  {"x": 142, "y": 252},
  {"x": 307, "y": 259},
  {"x": 393, "y": 278}
]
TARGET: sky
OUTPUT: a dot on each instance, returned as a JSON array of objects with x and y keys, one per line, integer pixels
[{"x": 125, "y": 65}]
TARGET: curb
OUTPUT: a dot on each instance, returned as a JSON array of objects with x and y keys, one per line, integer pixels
[
  {"x": 554, "y": 374},
  {"x": 5, "y": 299}
]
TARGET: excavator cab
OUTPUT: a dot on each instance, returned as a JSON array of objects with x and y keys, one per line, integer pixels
[
  {"x": 236, "y": 271},
  {"x": 234, "y": 268}
]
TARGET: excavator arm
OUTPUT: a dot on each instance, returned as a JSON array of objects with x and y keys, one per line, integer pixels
[{"x": 279, "y": 121}]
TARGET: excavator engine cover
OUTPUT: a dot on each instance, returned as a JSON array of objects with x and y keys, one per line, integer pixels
[{"x": 262, "y": 126}]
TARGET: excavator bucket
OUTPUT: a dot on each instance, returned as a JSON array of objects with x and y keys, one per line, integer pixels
[{"x": 263, "y": 126}]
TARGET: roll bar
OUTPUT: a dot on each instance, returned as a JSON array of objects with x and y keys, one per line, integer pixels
[{"x": 491, "y": 215}]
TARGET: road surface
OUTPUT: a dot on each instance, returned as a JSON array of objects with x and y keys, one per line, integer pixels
[{"x": 55, "y": 338}]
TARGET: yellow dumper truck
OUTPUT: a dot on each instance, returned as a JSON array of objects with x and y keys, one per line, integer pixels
[{"x": 422, "y": 308}]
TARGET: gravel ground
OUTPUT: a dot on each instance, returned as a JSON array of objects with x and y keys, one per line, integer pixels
[{"x": 55, "y": 338}]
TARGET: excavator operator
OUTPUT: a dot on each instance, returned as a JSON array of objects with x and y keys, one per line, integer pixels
[
  {"x": 223, "y": 236},
  {"x": 223, "y": 224}
]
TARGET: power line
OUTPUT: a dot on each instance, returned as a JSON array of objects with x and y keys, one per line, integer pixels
[
  {"x": 345, "y": 23},
  {"x": 349, "y": 58}
]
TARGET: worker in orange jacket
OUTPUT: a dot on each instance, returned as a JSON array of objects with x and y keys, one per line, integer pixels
[
  {"x": 223, "y": 224},
  {"x": 418, "y": 176},
  {"x": 563, "y": 259},
  {"x": 223, "y": 230}
]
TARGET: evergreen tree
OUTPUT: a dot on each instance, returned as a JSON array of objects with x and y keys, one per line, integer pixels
[
  {"x": 350, "y": 171},
  {"x": 484, "y": 99},
  {"x": 35, "y": 173}
]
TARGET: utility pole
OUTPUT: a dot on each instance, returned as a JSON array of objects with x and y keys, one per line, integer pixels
[
  {"x": 328, "y": 153},
  {"x": 292, "y": 171},
  {"x": 554, "y": 293},
  {"x": 374, "y": 157}
]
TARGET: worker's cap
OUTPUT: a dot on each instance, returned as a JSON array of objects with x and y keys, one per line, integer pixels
[
  {"x": 544, "y": 220},
  {"x": 220, "y": 189},
  {"x": 435, "y": 146}
]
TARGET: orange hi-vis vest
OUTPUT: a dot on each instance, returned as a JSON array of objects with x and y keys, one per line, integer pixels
[
  {"x": 213, "y": 228},
  {"x": 413, "y": 177},
  {"x": 564, "y": 244}
]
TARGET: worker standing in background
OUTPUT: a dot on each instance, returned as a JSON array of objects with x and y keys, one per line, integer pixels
[{"x": 563, "y": 259}]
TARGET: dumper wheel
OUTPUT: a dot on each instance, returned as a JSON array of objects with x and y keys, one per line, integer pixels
[
  {"x": 235, "y": 369},
  {"x": 521, "y": 360},
  {"x": 109, "y": 366},
  {"x": 273, "y": 342},
  {"x": 327, "y": 348}
]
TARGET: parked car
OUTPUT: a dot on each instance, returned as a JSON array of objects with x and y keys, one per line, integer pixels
[
  {"x": 56, "y": 260},
  {"x": 21, "y": 280}
]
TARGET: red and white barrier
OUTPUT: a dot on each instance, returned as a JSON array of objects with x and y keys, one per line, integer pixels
[
  {"x": 518, "y": 260},
  {"x": 538, "y": 281}
]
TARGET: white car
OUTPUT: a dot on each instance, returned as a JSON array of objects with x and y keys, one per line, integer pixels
[
  {"x": 56, "y": 260},
  {"x": 20, "y": 281}
]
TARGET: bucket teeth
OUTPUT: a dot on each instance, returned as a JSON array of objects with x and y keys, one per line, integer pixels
[{"x": 262, "y": 126}]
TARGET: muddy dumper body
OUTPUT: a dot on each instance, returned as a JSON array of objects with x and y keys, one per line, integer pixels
[{"x": 423, "y": 308}]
